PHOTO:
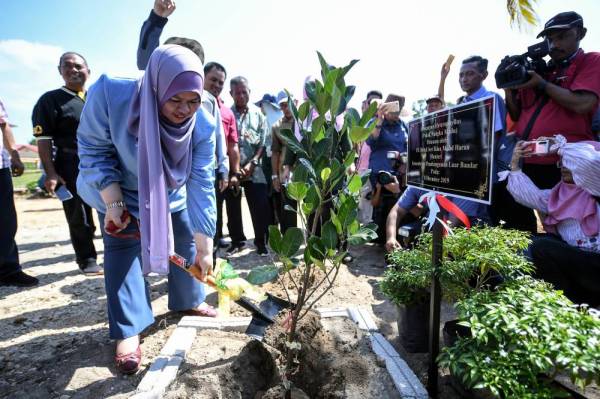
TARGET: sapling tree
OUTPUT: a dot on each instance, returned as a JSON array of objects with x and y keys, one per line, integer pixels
[{"x": 325, "y": 186}]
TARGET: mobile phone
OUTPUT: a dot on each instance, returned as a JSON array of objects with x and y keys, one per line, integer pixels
[
  {"x": 541, "y": 147},
  {"x": 393, "y": 106},
  {"x": 449, "y": 60},
  {"x": 63, "y": 194}
]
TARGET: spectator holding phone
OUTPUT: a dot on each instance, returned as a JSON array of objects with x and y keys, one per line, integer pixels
[
  {"x": 388, "y": 139},
  {"x": 569, "y": 255}
]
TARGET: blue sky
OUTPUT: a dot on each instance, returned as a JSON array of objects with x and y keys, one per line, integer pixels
[{"x": 401, "y": 44}]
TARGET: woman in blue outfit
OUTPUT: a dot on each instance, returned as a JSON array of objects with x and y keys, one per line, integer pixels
[{"x": 146, "y": 147}]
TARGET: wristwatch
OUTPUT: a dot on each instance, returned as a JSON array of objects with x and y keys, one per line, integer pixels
[
  {"x": 115, "y": 204},
  {"x": 254, "y": 162},
  {"x": 273, "y": 177}
]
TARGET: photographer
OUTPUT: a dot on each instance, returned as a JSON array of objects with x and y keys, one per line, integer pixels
[
  {"x": 387, "y": 141},
  {"x": 569, "y": 256},
  {"x": 558, "y": 99},
  {"x": 388, "y": 187}
]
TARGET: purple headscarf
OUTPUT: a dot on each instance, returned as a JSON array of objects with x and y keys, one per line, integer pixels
[{"x": 164, "y": 149}]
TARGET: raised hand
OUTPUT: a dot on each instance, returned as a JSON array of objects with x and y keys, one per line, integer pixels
[{"x": 164, "y": 8}]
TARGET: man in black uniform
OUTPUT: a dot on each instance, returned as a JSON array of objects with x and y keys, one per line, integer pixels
[{"x": 55, "y": 121}]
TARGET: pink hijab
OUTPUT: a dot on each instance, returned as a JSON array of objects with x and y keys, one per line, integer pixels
[{"x": 569, "y": 201}]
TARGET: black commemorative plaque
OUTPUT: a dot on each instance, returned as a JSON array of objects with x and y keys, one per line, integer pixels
[{"x": 451, "y": 151}]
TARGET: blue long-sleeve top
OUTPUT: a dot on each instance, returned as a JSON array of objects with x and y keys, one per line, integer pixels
[
  {"x": 393, "y": 136},
  {"x": 149, "y": 40},
  {"x": 108, "y": 154}
]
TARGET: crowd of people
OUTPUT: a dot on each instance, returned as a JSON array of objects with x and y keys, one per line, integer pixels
[{"x": 157, "y": 158}]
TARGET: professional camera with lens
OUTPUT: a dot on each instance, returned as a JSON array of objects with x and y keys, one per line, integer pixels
[
  {"x": 512, "y": 70},
  {"x": 384, "y": 177}
]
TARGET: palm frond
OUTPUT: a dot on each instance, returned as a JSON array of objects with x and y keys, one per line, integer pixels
[{"x": 522, "y": 13}]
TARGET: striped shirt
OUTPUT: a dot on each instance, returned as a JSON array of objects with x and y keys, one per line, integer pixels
[{"x": 584, "y": 163}]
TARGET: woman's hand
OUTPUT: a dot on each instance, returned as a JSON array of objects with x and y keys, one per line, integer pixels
[
  {"x": 394, "y": 186},
  {"x": 522, "y": 150},
  {"x": 114, "y": 216},
  {"x": 204, "y": 255},
  {"x": 204, "y": 262},
  {"x": 111, "y": 194}
]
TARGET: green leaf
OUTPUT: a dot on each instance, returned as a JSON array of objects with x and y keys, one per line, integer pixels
[
  {"x": 368, "y": 114},
  {"x": 336, "y": 101},
  {"x": 349, "y": 160},
  {"x": 292, "y": 143},
  {"x": 317, "y": 249},
  {"x": 292, "y": 240},
  {"x": 336, "y": 222},
  {"x": 275, "y": 239},
  {"x": 355, "y": 184},
  {"x": 331, "y": 77},
  {"x": 323, "y": 102},
  {"x": 352, "y": 116},
  {"x": 262, "y": 274},
  {"x": 353, "y": 227},
  {"x": 348, "y": 94},
  {"x": 362, "y": 236},
  {"x": 325, "y": 173},
  {"x": 297, "y": 190},
  {"x": 323, "y": 149},
  {"x": 316, "y": 126},
  {"x": 308, "y": 166},
  {"x": 311, "y": 200},
  {"x": 303, "y": 111},
  {"x": 359, "y": 134},
  {"x": 310, "y": 88},
  {"x": 329, "y": 236},
  {"x": 347, "y": 68}
]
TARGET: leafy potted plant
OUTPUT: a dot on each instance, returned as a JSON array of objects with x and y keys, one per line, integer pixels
[
  {"x": 473, "y": 260},
  {"x": 406, "y": 284},
  {"x": 523, "y": 335}
]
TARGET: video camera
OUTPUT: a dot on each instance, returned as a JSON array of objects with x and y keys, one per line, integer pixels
[{"x": 512, "y": 70}]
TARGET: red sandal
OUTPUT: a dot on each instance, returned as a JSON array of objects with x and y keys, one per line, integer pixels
[
  {"x": 205, "y": 311},
  {"x": 129, "y": 363}
]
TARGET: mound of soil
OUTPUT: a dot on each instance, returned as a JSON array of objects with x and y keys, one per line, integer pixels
[{"x": 335, "y": 361}]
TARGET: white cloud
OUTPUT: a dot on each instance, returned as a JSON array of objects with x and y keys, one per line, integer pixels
[
  {"x": 30, "y": 55},
  {"x": 28, "y": 70}
]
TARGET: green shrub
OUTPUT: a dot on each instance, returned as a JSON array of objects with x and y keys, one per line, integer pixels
[
  {"x": 523, "y": 335},
  {"x": 470, "y": 259}
]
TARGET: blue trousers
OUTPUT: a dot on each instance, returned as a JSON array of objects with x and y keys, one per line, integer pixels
[
  {"x": 127, "y": 292},
  {"x": 9, "y": 254}
]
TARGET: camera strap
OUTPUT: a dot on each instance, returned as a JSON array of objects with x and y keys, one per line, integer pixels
[{"x": 534, "y": 116}]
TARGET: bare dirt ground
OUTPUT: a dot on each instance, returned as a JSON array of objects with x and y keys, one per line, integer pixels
[{"x": 54, "y": 337}]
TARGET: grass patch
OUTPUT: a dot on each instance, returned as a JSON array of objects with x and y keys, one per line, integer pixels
[{"x": 27, "y": 179}]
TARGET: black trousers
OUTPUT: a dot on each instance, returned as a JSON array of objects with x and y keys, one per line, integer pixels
[
  {"x": 285, "y": 218},
  {"x": 574, "y": 271},
  {"x": 260, "y": 212},
  {"x": 220, "y": 199},
  {"x": 78, "y": 213},
  {"x": 9, "y": 254}
]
